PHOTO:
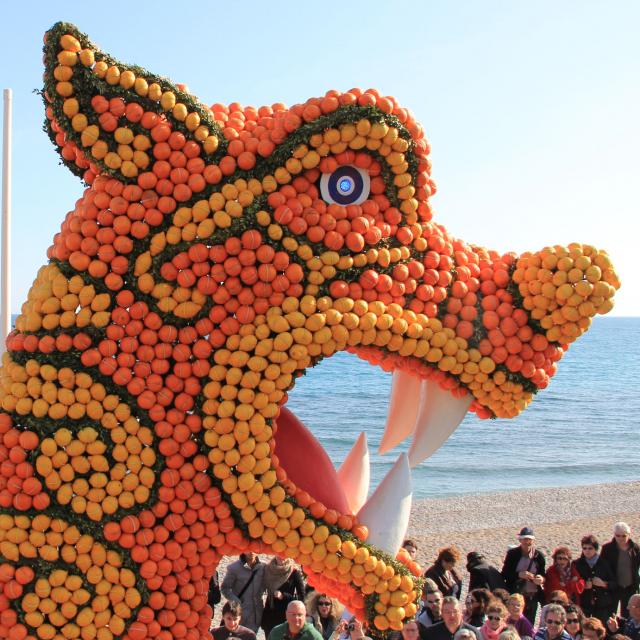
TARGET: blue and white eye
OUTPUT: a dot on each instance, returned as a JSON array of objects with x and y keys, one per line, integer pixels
[{"x": 346, "y": 185}]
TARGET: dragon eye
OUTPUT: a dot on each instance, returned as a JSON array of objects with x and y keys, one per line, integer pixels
[{"x": 346, "y": 185}]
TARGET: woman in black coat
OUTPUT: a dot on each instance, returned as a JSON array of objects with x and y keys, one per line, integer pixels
[
  {"x": 482, "y": 575},
  {"x": 597, "y": 599},
  {"x": 442, "y": 572},
  {"x": 284, "y": 583}
]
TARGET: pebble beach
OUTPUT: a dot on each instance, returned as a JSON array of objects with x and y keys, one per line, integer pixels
[{"x": 490, "y": 522}]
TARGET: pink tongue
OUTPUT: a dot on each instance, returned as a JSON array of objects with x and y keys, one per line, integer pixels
[{"x": 307, "y": 463}]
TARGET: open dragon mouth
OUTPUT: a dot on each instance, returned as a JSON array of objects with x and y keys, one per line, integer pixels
[{"x": 419, "y": 408}]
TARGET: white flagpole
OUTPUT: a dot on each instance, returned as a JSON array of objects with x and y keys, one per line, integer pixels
[{"x": 5, "y": 278}]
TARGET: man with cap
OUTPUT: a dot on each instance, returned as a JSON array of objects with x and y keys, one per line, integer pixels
[{"x": 523, "y": 572}]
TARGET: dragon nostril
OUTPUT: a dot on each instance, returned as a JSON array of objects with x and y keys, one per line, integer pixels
[{"x": 562, "y": 288}]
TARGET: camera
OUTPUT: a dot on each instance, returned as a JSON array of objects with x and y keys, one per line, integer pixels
[{"x": 351, "y": 626}]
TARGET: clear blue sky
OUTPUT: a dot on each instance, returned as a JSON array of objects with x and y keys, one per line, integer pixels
[{"x": 532, "y": 108}]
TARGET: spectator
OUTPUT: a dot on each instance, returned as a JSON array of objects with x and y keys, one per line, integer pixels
[
  {"x": 515, "y": 607},
  {"x": 596, "y": 599},
  {"x": 575, "y": 618},
  {"x": 244, "y": 583},
  {"x": 213, "y": 597},
  {"x": 296, "y": 625},
  {"x": 502, "y": 595},
  {"x": 482, "y": 575},
  {"x": 509, "y": 633},
  {"x": 629, "y": 626},
  {"x": 442, "y": 572},
  {"x": 350, "y": 629},
  {"x": 496, "y": 621},
  {"x": 412, "y": 547},
  {"x": 324, "y": 612},
  {"x": 622, "y": 555},
  {"x": 467, "y": 612},
  {"x": 562, "y": 575},
  {"x": 556, "y": 597},
  {"x": 554, "y": 629},
  {"x": 451, "y": 622},
  {"x": 230, "y": 627},
  {"x": 480, "y": 599},
  {"x": 410, "y": 630},
  {"x": 431, "y": 612},
  {"x": 523, "y": 571},
  {"x": 284, "y": 583},
  {"x": 464, "y": 634},
  {"x": 593, "y": 629}
]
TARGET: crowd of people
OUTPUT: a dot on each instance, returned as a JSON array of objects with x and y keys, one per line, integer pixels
[{"x": 587, "y": 598}]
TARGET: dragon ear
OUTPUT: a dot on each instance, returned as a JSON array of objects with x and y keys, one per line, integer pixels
[{"x": 107, "y": 117}]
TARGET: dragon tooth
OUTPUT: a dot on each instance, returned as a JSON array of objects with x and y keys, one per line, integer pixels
[
  {"x": 386, "y": 513},
  {"x": 354, "y": 474},
  {"x": 403, "y": 410},
  {"x": 439, "y": 415}
]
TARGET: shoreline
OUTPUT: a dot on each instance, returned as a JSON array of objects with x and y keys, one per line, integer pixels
[{"x": 489, "y": 522}]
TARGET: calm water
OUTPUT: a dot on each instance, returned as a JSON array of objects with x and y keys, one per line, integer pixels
[{"x": 583, "y": 429}]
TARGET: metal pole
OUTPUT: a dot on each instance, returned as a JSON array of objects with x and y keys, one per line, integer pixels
[{"x": 5, "y": 278}]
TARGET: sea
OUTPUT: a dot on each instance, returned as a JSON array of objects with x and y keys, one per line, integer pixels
[{"x": 583, "y": 429}]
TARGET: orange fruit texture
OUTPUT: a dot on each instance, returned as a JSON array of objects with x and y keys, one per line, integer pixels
[{"x": 214, "y": 255}]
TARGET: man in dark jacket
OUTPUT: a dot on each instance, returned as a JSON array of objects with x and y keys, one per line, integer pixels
[
  {"x": 630, "y": 626},
  {"x": 622, "y": 555},
  {"x": 451, "y": 622},
  {"x": 523, "y": 572},
  {"x": 482, "y": 575}
]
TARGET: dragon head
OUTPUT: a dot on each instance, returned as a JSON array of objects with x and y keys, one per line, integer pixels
[{"x": 215, "y": 255}]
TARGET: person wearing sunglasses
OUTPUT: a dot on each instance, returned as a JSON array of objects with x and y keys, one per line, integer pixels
[
  {"x": 573, "y": 626},
  {"x": 555, "y": 597},
  {"x": 599, "y": 581},
  {"x": 555, "y": 622},
  {"x": 622, "y": 555},
  {"x": 629, "y": 626},
  {"x": 496, "y": 621},
  {"x": 563, "y": 576},
  {"x": 324, "y": 612}
]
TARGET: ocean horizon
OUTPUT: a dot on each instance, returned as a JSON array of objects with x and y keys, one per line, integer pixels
[{"x": 582, "y": 430}]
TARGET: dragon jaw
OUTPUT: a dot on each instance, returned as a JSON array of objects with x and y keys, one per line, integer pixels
[{"x": 201, "y": 272}]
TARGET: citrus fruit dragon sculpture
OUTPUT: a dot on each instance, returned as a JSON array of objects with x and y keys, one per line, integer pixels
[{"x": 215, "y": 254}]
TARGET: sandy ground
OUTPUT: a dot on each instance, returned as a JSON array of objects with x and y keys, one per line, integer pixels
[{"x": 490, "y": 522}]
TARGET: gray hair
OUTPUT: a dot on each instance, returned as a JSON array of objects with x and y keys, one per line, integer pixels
[
  {"x": 464, "y": 634},
  {"x": 621, "y": 527},
  {"x": 558, "y": 610},
  {"x": 509, "y": 634},
  {"x": 452, "y": 600},
  {"x": 295, "y": 603}
]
